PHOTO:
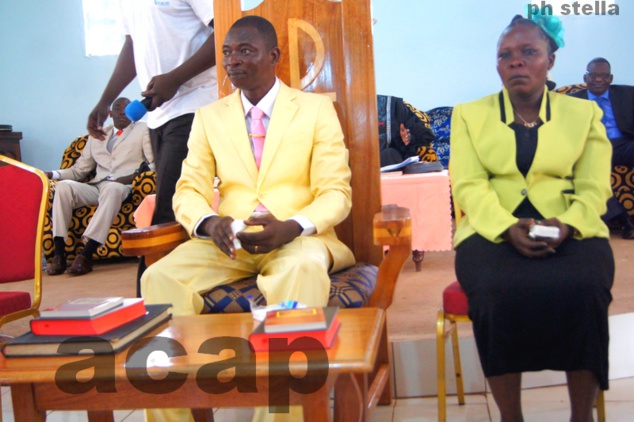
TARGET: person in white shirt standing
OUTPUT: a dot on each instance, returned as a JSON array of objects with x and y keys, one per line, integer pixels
[
  {"x": 169, "y": 46},
  {"x": 115, "y": 160}
]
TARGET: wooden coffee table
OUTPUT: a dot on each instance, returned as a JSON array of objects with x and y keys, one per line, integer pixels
[{"x": 207, "y": 364}]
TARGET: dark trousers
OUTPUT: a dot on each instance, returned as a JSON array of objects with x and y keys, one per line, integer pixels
[
  {"x": 622, "y": 152},
  {"x": 615, "y": 209},
  {"x": 169, "y": 145}
]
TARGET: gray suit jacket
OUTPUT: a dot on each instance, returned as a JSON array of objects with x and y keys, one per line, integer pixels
[{"x": 129, "y": 151}]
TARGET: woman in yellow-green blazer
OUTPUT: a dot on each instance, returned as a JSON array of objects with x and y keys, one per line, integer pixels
[
  {"x": 525, "y": 157},
  {"x": 569, "y": 177}
]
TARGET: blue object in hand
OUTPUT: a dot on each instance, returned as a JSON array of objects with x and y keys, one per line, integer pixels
[{"x": 137, "y": 109}]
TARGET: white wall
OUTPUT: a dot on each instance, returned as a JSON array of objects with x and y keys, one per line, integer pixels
[
  {"x": 47, "y": 84},
  {"x": 438, "y": 53},
  {"x": 430, "y": 52}
]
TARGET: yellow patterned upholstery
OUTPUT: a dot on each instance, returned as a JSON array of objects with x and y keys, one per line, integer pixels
[
  {"x": 622, "y": 176},
  {"x": 569, "y": 89},
  {"x": 623, "y": 186},
  {"x": 143, "y": 185},
  {"x": 426, "y": 153}
]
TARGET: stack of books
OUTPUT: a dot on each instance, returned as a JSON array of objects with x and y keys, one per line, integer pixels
[
  {"x": 297, "y": 329},
  {"x": 92, "y": 325}
]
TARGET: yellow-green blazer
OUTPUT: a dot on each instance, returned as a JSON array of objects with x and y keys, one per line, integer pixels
[
  {"x": 569, "y": 178},
  {"x": 304, "y": 169}
]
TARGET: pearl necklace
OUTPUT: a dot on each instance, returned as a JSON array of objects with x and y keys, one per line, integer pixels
[{"x": 527, "y": 124}]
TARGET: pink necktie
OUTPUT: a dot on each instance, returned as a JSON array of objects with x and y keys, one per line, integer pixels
[{"x": 258, "y": 134}]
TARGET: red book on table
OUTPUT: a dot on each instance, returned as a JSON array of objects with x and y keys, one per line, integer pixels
[
  {"x": 260, "y": 341},
  {"x": 129, "y": 310}
]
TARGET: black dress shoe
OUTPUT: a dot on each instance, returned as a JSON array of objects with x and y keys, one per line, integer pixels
[
  {"x": 627, "y": 232},
  {"x": 58, "y": 265},
  {"x": 80, "y": 266}
]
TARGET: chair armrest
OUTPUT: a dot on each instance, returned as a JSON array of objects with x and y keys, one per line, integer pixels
[
  {"x": 392, "y": 227},
  {"x": 153, "y": 242}
]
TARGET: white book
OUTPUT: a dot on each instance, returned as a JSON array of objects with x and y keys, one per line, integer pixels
[
  {"x": 407, "y": 161},
  {"x": 82, "y": 307}
]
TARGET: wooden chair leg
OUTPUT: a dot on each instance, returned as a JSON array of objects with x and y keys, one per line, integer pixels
[
  {"x": 600, "y": 405},
  {"x": 203, "y": 415},
  {"x": 440, "y": 365},
  {"x": 417, "y": 257},
  {"x": 382, "y": 377},
  {"x": 456, "y": 362},
  {"x": 100, "y": 416}
]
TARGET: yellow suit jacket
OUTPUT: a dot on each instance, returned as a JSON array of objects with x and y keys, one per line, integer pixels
[
  {"x": 304, "y": 169},
  {"x": 569, "y": 178}
]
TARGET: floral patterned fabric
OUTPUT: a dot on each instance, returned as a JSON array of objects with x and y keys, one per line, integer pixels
[{"x": 440, "y": 119}]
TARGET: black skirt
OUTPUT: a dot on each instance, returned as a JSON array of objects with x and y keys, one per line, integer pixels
[{"x": 536, "y": 314}]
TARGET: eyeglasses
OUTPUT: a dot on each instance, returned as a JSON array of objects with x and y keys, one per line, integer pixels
[{"x": 594, "y": 76}]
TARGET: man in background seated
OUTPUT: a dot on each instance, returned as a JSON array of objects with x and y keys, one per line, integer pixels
[
  {"x": 617, "y": 103},
  {"x": 115, "y": 160},
  {"x": 401, "y": 132},
  {"x": 290, "y": 192}
]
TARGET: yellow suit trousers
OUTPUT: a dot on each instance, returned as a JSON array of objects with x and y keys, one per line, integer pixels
[{"x": 295, "y": 271}]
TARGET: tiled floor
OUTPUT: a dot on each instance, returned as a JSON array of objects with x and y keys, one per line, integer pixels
[
  {"x": 412, "y": 319},
  {"x": 540, "y": 405}
]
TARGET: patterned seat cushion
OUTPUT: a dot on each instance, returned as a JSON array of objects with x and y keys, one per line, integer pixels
[
  {"x": 441, "y": 126},
  {"x": 349, "y": 288}
]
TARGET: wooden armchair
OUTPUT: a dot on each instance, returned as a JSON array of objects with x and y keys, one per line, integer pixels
[{"x": 326, "y": 48}]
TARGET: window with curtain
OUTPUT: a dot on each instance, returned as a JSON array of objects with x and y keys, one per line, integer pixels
[{"x": 102, "y": 29}]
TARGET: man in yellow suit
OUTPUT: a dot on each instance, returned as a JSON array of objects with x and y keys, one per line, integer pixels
[{"x": 290, "y": 193}]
